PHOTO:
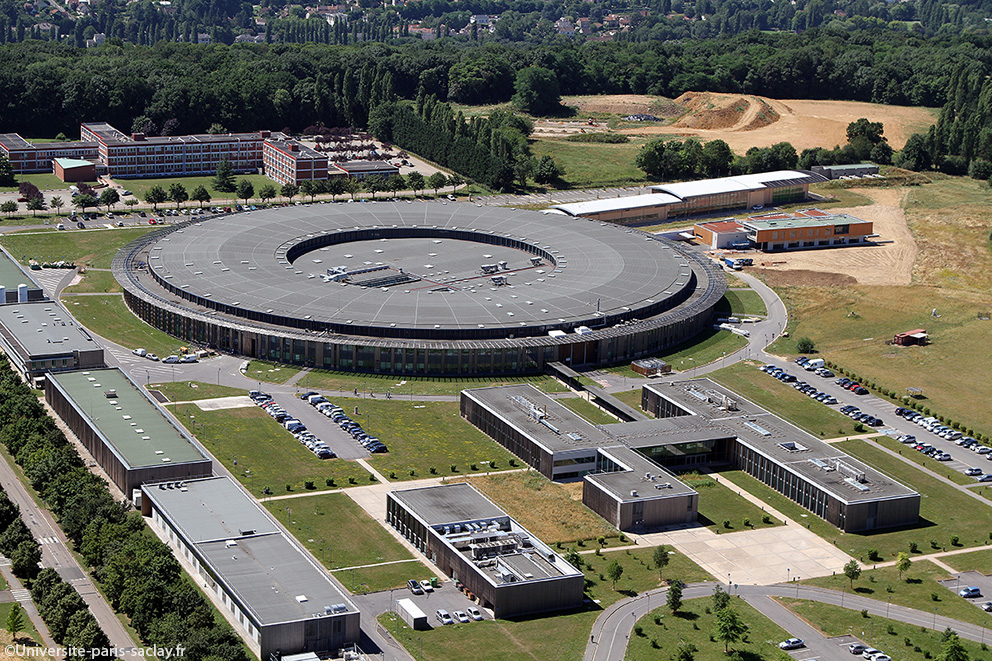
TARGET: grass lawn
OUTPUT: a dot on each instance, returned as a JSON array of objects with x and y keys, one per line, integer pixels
[
  {"x": 424, "y": 435},
  {"x": 95, "y": 282},
  {"x": 44, "y": 181},
  {"x": 337, "y": 531},
  {"x": 267, "y": 372},
  {"x": 915, "y": 590},
  {"x": 975, "y": 561},
  {"x": 639, "y": 572},
  {"x": 936, "y": 466},
  {"x": 631, "y": 397},
  {"x": 376, "y": 578},
  {"x": 594, "y": 164},
  {"x": 587, "y": 410},
  {"x": 406, "y": 386},
  {"x": 29, "y": 632},
  {"x": 741, "y": 302},
  {"x": 90, "y": 248},
  {"x": 248, "y": 439},
  {"x": 783, "y": 400},
  {"x": 890, "y": 636},
  {"x": 543, "y": 507},
  {"x": 710, "y": 345},
  {"x": 718, "y": 504},
  {"x": 140, "y": 186},
  {"x": 694, "y": 625},
  {"x": 109, "y": 317},
  {"x": 944, "y": 511},
  {"x": 181, "y": 391},
  {"x": 836, "y": 195}
]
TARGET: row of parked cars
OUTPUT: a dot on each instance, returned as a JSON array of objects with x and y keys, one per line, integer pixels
[
  {"x": 868, "y": 652},
  {"x": 807, "y": 389},
  {"x": 337, "y": 414},
  {"x": 855, "y": 414},
  {"x": 292, "y": 425},
  {"x": 444, "y": 617},
  {"x": 934, "y": 426},
  {"x": 853, "y": 386}
]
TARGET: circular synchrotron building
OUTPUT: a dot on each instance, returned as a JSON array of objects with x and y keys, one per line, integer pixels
[{"x": 419, "y": 288}]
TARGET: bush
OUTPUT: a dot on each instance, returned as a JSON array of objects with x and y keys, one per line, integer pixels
[
  {"x": 609, "y": 138},
  {"x": 766, "y": 519},
  {"x": 309, "y": 485},
  {"x": 289, "y": 487},
  {"x": 891, "y": 630},
  {"x": 474, "y": 467},
  {"x": 934, "y": 544},
  {"x": 392, "y": 475},
  {"x": 907, "y": 642},
  {"x": 934, "y": 596},
  {"x": 805, "y": 345},
  {"x": 873, "y": 554},
  {"x": 454, "y": 468},
  {"x": 747, "y": 523},
  {"x": 432, "y": 470},
  {"x": 915, "y": 548},
  {"x": 513, "y": 462},
  {"x": 351, "y": 480},
  {"x": 955, "y": 540},
  {"x": 638, "y": 630},
  {"x": 329, "y": 482},
  {"x": 726, "y": 524}
]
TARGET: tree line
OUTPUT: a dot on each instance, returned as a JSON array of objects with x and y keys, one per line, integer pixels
[{"x": 137, "y": 572}]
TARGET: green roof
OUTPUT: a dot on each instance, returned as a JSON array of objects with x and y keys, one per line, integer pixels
[
  {"x": 800, "y": 222},
  {"x": 138, "y": 430},
  {"x": 72, "y": 162},
  {"x": 11, "y": 274}
]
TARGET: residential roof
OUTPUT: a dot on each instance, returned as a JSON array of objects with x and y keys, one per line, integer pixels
[
  {"x": 617, "y": 204},
  {"x": 137, "y": 428},
  {"x": 67, "y": 163},
  {"x": 44, "y": 328},
  {"x": 246, "y": 551}
]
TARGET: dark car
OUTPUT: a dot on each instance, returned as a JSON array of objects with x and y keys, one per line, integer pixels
[
  {"x": 80, "y": 225},
  {"x": 414, "y": 587},
  {"x": 859, "y": 391}
]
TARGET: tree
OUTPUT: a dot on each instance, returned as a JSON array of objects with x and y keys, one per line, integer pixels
[
  {"x": 915, "y": 154},
  {"x": 853, "y": 571},
  {"x": 245, "y": 190},
  {"x": 216, "y": 129},
  {"x": 200, "y": 194},
  {"x": 375, "y": 184},
  {"x": 36, "y": 204},
  {"x": 6, "y": 172},
  {"x": 720, "y": 598},
  {"x": 289, "y": 191},
  {"x": 416, "y": 182},
  {"x": 573, "y": 558},
  {"x": 395, "y": 184},
  {"x": 265, "y": 193},
  {"x": 25, "y": 558},
  {"x": 437, "y": 181},
  {"x": 224, "y": 178},
  {"x": 308, "y": 188},
  {"x": 9, "y": 207},
  {"x": 661, "y": 559},
  {"x": 57, "y": 203},
  {"x": 656, "y": 159},
  {"x": 109, "y": 197},
  {"x": 862, "y": 128},
  {"x": 15, "y": 621},
  {"x": 805, "y": 345},
  {"x": 547, "y": 170},
  {"x": 675, "y": 598},
  {"x": 903, "y": 563},
  {"x": 730, "y": 628},
  {"x": 717, "y": 158},
  {"x": 85, "y": 201},
  {"x": 155, "y": 196},
  {"x": 951, "y": 648},
  {"x": 536, "y": 91},
  {"x": 685, "y": 652},
  {"x": 455, "y": 181},
  {"x": 613, "y": 572},
  {"x": 28, "y": 190},
  {"x": 178, "y": 194}
]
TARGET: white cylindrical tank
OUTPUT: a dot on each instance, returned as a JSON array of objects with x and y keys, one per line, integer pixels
[{"x": 22, "y": 293}]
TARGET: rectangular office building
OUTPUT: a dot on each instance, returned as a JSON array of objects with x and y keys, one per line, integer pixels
[
  {"x": 132, "y": 438},
  {"x": 475, "y": 542},
  {"x": 279, "y": 600},
  {"x": 41, "y": 338}
]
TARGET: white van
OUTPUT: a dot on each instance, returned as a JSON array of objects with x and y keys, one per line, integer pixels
[{"x": 814, "y": 364}]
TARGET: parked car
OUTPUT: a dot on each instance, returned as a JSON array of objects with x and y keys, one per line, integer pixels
[
  {"x": 856, "y": 648},
  {"x": 791, "y": 644},
  {"x": 414, "y": 587},
  {"x": 171, "y": 359},
  {"x": 140, "y": 352},
  {"x": 970, "y": 592},
  {"x": 462, "y": 617},
  {"x": 151, "y": 356},
  {"x": 426, "y": 585},
  {"x": 443, "y": 616},
  {"x": 474, "y": 613},
  {"x": 870, "y": 652}
]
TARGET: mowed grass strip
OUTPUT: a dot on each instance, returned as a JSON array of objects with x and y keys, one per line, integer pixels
[
  {"x": 407, "y": 387},
  {"x": 741, "y": 302},
  {"x": 916, "y": 589},
  {"x": 94, "y": 248},
  {"x": 95, "y": 282},
  {"x": 337, "y": 531},
  {"x": 543, "y": 507},
  {"x": 980, "y": 561},
  {"x": 189, "y": 391},
  {"x": 140, "y": 186},
  {"x": 266, "y": 372},
  {"x": 885, "y": 634},
  {"x": 944, "y": 511},
  {"x": 109, "y": 317},
  {"x": 694, "y": 624},
  {"x": 719, "y": 506},
  {"x": 376, "y": 578},
  {"x": 594, "y": 164},
  {"x": 28, "y": 633},
  {"x": 587, "y": 410},
  {"x": 926, "y": 462},
  {"x": 639, "y": 572},
  {"x": 710, "y": 345},
  {"x": 784, "y": 400},
  {"x": 425, "y": 435},
  {"x": 247, "y": 439}
]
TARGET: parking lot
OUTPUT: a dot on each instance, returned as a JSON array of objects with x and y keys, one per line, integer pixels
[
  {"x": 972, "y": 579},
  {"x": 340, "y": 442}
]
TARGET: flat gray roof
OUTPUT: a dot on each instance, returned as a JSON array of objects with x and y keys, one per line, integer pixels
[
  {"x": 44, "y": 328},
  {"x": 661, "y": 484},
  {"x": 134, "y": 425},
  {"x": 271, "y": 577},
  {"x": 617, "y": 204},
  {"x": 12, "y": 274},
  {"x": 449, "y": 503}
]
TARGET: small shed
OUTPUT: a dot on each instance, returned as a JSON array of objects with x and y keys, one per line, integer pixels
[
  {"x": 650, "y": 367},
  {"x": 411, "y": 614},
  {"x": 917, "y": 336}
]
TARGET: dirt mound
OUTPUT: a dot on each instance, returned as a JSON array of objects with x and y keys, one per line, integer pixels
[{"x": 710, "y": 111}]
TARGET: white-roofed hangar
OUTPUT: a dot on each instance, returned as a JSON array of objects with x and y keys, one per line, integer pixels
[{"x": 419, "y": 288}]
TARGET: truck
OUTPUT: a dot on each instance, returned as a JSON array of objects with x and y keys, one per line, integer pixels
[{"x": 732, "y": 263}]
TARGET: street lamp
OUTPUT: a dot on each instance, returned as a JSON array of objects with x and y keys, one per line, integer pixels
[{"x": 935, "y": 619}]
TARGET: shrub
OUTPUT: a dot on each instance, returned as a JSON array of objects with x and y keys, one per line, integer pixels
[
  {"x": 610, "y": 138},
  {"x": 766, "y": 519},
  {"x": 492, "y": 464},
  {"x": 351, "y": 480},
  {"x": 513, "y": 462},
  {"x": 454, "y": 468},
  {"x": 891, "y": 630},
  {"x": 864, "y": 613},
  {"x": 474, "y": 467},
  {"x": 934, "y": 544},
  {"x": 371, "y": 477},
  {"x": 915, "y": 548},
  {"x": 657, "y": 619},
  {"x": 432, "y": 470},
  {"x": 309, "y": 485},
  {"x": 873, "y": 554},
  {"x": 747, "y": 523},
  {"x": 601, "y": 540},
  {"x": 955, "y": 540},
  {"x": 726, "y": 524},
  {"x": 638, "y": 630},
  {"x": 289, "y": 487},
  {"x": 907, "y": 642},
  {"x": 392, "y": 475},
  {"x": 805, "y": 345},
  {"x": 413, "y": 472},
  {"x": 654, "y": 644},
  {"x": 329, "y": 482},
  {"x": 934, "y": 596}
]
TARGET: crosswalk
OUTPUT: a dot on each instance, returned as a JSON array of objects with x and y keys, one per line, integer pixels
[
  {"x": 49, "y": 540},
  {"x": 21, "y": 595}
]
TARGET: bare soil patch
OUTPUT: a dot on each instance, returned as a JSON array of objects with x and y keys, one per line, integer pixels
[
  {"x": 889, "y": 261},
  {"x": 801, "y": 278},
  {"x": 725, "y": 112},
  {"x": 626, "y": 104}
]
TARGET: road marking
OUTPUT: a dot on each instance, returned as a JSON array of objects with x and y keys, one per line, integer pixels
[
  {"x": 49, "y": 540},
  {"x": 21, "y": 595}
]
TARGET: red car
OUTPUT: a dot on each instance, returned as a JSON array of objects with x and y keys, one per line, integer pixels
[
  {"x": 152, "y": 221},
  {"x": 22, "y": 199}
]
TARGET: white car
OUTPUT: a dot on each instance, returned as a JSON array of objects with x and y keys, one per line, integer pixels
[
  {"x": 426, "y": 585},
  {"x": 171, "y": 359},
  {"x": 139, "y": 352},
  {"x": 151, "y": 356},
  {"x": 791, "y": 644},
  {"x": 474, "y": 613},
  {"x": 461, "y": 617}
]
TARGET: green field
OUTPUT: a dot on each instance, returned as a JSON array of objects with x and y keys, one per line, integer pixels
[
  {"x": 362, "y": 580},
  {"x": 337, "y": 531},
  {"x": 425, "y": 435},
  {"x": 109, "y": 317},
  {"x": 247, "y": 439},
  {"x": 587, "y": 410},
  {"x": 639, "y": 571},
  {"x": 916, "y": 590},
  {"x": 29, "y": 632},
  {"x": 783, "y": 400},
  {"x": 43, "y": 181},
  {"x": 140, "y": 186},
  {"x": 980, "y": 561},
  {"x": 95, "y": 282},
  {"x": 737, "y": 302},
  {"x": 707, "y": 347},
  {"x": 90, "y": 248},
  {"x": 184, "y": 391},
  {"x": 594, "y": 164},
  {"x": 407, "y": 387},
  {"x": 719, "y": 505},
  {"x": 695, "y": 623},
  {"x": 936, "y": 466},
  {"x": 890, "y": 636}
]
